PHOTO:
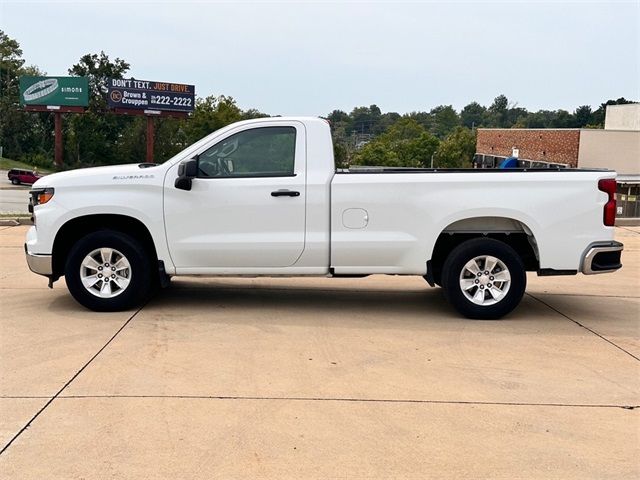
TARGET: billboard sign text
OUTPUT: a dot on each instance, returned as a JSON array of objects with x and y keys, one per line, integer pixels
[
  {"x": 54, "y": 91},
  {"x": 149, "y": 95}
]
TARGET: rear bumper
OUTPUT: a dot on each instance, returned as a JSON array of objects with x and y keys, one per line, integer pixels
[
  {"x": 40, "y": 264},
  {"x": 602, "y": 257}
]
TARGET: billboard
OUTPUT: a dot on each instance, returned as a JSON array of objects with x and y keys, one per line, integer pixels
[
  {"x": 55, "y": 91},
  {"x": 148, "y": 95}
]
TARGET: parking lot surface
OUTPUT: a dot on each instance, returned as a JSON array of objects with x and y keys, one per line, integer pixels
[{"x": 320, "y": 378}]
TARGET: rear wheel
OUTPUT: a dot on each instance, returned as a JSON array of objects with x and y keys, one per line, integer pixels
[
  {"x": 109, "y": 271},
  {"x": 15, "y": 181},
  {"x": 484, "y": 279}
]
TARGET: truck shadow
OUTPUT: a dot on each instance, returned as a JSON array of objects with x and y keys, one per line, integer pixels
[
  {"x": 305, "y": 304},
  {"x": 239, "y": 302},
  {"x": 299, "y": 299}
]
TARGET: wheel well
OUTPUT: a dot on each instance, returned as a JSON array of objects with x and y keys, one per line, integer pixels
[
  {"x": 75, "y": 229},
  {"x": 508, "y": 231}
]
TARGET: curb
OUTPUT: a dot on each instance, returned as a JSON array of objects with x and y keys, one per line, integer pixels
[
  {"x": 627, "y": 222},
  {"x": 14, "y": 222}
]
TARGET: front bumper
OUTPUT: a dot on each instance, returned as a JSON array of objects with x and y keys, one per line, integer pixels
[
  {"x": 602, "y": 257},
  {"x": 40, "y": 264}
]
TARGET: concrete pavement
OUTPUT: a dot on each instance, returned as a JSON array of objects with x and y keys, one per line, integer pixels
[{"x": 320, "y": 378}]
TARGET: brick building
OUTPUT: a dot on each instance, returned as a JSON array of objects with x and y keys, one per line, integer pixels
[
  {"x": 616, "y": 147},
  {"x": 550, "y": 145}
]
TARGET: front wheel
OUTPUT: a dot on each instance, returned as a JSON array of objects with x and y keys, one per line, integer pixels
[
  {"x": 484, "y": 279},
  {"x": 108, "y": 271}
]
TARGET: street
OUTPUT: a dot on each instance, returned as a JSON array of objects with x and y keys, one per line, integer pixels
[{"x": 13, "y": 198}]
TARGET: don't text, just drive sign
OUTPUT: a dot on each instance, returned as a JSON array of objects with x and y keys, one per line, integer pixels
[{"x": 130, "y": 93}]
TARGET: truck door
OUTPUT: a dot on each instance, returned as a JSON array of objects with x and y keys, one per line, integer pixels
[{"x": 246, "y": 208}]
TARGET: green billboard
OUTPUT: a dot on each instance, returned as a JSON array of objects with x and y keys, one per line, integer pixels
[{"x": 61, "y": 91}]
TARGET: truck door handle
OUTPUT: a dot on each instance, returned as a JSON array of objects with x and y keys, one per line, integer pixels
[{"x": 285, "y": 193}]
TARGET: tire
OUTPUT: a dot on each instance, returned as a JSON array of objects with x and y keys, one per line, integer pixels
[
  {"x": 15, "y": 181},
  {"x": 130, "y": 280},
  {"x": 474, "y": 293}
]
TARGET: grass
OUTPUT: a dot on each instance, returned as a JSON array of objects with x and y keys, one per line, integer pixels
[{"x": 6, "y": 164}]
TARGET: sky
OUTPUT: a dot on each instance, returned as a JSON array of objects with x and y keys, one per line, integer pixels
[{"x": 309, "y": 58}]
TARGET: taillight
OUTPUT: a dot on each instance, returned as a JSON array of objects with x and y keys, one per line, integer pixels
[{"x": 608, "y": 186}]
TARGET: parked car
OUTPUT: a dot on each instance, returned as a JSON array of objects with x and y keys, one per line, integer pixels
[
  {"x": 18, "y": 176},
  {"x": 263, "y": 197}
]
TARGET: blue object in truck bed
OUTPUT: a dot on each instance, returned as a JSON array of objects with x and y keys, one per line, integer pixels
[{"x": 509, "y": 162}]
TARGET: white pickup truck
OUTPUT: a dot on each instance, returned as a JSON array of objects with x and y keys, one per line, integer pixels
[{"x": 263, "y": 198}]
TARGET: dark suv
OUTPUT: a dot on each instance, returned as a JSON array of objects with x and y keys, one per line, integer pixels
[{"x": 17, "y": 176}]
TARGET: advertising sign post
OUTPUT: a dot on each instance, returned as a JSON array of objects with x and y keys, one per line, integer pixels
[
  {"x": 129, "y": 96},
  {"x": 58, "y": 95}
]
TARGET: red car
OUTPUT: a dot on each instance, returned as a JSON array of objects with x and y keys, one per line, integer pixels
[{"x": 17, "y": 176}]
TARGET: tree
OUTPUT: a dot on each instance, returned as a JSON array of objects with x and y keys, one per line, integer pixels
[
  {"x": 340, "y": 154},
  {"x": 497, "y": 114},
  {"x": 210, "y": 114},
  {"x": 96, "y": 138},
  {"x": 98, "y": 68},
  {"x": 365, "y": 119},
  {"x": 457, "y": 150},
  {"x": 11, "y": 64},
  {"x": 445, "y": 119},
  {"x": 405, "y": 144},
  {"x": 582, "y": 116},
  {"x": 22, "y": 134},
  {"x": 425, "y": 119},
  {"x": 386, "y": 121},
  {"x": 563, "y": 119},
  {"x": 338, "y": 116},
  {"x": 472, "y": 115}
]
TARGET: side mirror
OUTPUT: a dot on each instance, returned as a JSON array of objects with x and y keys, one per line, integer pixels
[{"x": 187, "y": 171}]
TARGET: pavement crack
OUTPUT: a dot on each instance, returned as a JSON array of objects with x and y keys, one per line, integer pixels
[
  {"x": 59, "y": 392},
  {"x": 585, "y": 327},
  {"x": 628, "y": 230},
  {"x": 565, "y": 294},
  {"x": 341, "y": 399}
]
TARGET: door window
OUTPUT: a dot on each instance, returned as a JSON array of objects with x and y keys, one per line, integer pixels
[{"x": 259, "y": 152}]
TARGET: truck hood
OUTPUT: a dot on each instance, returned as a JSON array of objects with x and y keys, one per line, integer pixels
[{"x": 113, "y": 174}]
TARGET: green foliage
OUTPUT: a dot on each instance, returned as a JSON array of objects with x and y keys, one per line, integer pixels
[
  {"x": 457, "y": 150},
  {"x": 6, "y": 164},
  {"x": 98, "y": 68},
  {"x": 445, "y": 119},
  {"x": 583, "y": 115},
  {"x": 20, "y": 132},
  {"x": 405, "y": 144},
  {"x": 96, "y": 138},
  {"x": 472, "y": 115},
  {"x": 340, "y": 154},
  {"x": 210, "y": 114}
]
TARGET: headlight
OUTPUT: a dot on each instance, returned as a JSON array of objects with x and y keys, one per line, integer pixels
[{"x": 40, "y": 196}]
